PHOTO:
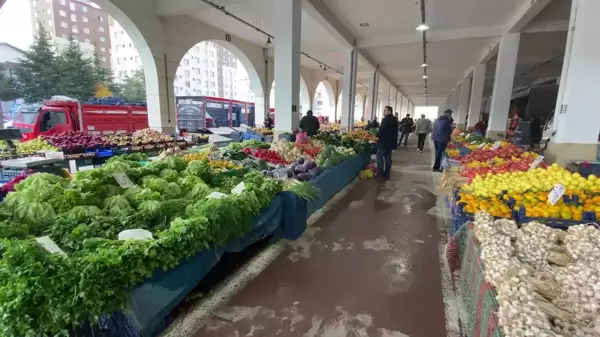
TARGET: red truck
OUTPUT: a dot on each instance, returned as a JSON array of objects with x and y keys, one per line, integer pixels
[{"x": 57, "y": 116}]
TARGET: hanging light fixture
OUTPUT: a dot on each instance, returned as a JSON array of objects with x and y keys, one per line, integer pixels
[
  {"x": 424, "y": 65},
  {"x": 268, "y": 41},
  {"x": 422, "y": 27},
  {"x": 424, "y": 77}
]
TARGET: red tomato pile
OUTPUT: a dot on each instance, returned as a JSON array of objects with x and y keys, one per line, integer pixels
[
  {"x": 269, "y": 156},
  {"x": 309, "y": 150},
  {"x": 487, "y": 154}
]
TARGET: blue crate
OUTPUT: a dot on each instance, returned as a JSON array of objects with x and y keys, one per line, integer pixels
[
  {"x": 463, "y": 150},
  {"x": 556, "y": 223},
  {"x": 587, "y": 168},
  {"x": 9, "y": 174}
]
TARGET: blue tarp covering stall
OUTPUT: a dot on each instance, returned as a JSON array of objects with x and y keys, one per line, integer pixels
[{"x": 151, "y": 302}]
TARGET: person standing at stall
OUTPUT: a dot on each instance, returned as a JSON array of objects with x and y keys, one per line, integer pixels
[
  {"x": 269, "y": 122},
  {"x": 422, "y": 129},
  {"x": 442, "y": 130},
  {"x": 309, "y": 124},
  {"x": 406, "y": 127},
  {"x": 386, "y": 143}
]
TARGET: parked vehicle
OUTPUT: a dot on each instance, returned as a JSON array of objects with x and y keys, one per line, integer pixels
[
  {"x": 195, "y": 113},
  {"x": 61, "y": 114}
]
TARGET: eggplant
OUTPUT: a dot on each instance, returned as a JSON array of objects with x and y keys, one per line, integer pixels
[
  {"x": 318, "y": 170},
  {"x": 299, "y": 169},
  {"x": 309, "y": 164},
  {"x": 300, "y": 161},
  {"x": 312, "y": 173},
  {"x": 304, "y": 177}
]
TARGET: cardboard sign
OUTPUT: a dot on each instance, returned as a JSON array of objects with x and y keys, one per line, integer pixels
[
  {"x": 496, "y": 146},
  {"x": 50, "y": 245},
  {"x": 123, "y": 180},
  {"x": 55, "y": 155},
  {"x": 536, "y": 162},
  {"x": 557, "y": 192}
]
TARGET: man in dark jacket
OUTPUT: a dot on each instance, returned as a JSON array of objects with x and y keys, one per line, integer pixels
[
  {"x": 406, "y": 124},
  {"x": 309, "y": 124},
  {"x": 386, "y": 143},
  {"x": 269, "y": 122},
  {"x": 442, "y": 130}
]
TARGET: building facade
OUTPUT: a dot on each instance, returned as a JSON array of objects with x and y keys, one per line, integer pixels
[
  {"x": 207, "y": 69},
  {"x": 81, "y": 19}
]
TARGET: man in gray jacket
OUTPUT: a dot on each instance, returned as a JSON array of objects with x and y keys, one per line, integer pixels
[{"x": 422, "y": 128}]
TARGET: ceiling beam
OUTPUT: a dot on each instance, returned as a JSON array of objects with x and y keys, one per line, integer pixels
[
  {"x": 525, "y": 14},
  {"x": 178, "y": 7},
  {"x": 432, "y": 36},
  {"x": 317, "y": 10},
  {"x": 547, "y": 26}
]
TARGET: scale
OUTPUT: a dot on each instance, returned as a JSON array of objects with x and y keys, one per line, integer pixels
[{"x": 9, "y": 135}]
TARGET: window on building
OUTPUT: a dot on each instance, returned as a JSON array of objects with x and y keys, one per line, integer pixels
[
  {"x": 198, "y": 71},
  {"x": 103, "y": 59},
  {"x": 73, "y": 17},
  {"x": 62, "y": 13},
  {"x": 84, "y": 19},
  {"x": 64, "y": 24},
  {"x": 64, "y": 36},
  {"x": 212, "y": 64},
  {"x": 101, "y": 19},
  {"x": 186, "y": 62},
  {"x": 187, "y": 73},
  {"x": 88, "y": 41},
  {"x": 101, "y": 29},
  {"x": 63, "y": 2},
  {"x": 86, "y": 30},
  {"x": 72, "y": 6},
  {"x": 102, "y": 49},
  {"x": 187, "y": 84},
  {"x": 50, "y": 23},
  {"x": 48, "y": 11},
  {"x": 206, "y": 84},
  {"x": 196, "y": 49},
  {"x": 212, "y": 93},
  {"x": 74, "y": 29},
  {"x": 212, "y": 74},
  {"x": 102, "y": 38},
  {"x": 84, "y": 8},
  {"x": 212, "y": 53},
  {"x": 212, "y": 84}
]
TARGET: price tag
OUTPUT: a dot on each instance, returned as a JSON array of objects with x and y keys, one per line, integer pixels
[
  {"x": 216, "y": 195},
  {"x": 123, "y": 180},
  {"x": 557, "y": 192},
  {"x": 239, "y": 188},
  {"x": 50, "y": 245},
  {"x": 481, "y": 146},
  {"x": 496, "y": 146},
  {"x": 536, "y": 162},
  {"x": 55, "y": 155},
  {"x": 280, "y": 173}
]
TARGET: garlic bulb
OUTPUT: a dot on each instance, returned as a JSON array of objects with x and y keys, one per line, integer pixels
[{"x": 583, "y": 243}]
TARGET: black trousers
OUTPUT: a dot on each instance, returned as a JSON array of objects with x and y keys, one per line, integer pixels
[{"x": 421, "y": 140}]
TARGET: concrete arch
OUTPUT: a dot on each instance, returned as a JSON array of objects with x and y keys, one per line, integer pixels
[
  {"x": 304, "y": 96},
  {"x": 256, "y": 84},
  {"x": 359, "y": 107},
  {"x": 328, "y": 109}
]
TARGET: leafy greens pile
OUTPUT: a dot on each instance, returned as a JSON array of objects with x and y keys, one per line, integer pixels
[{"x": 48, "y": 294}]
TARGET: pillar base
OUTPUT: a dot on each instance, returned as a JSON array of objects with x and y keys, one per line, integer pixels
[
  {"x": 496, "y": 135},
  {"x": 564, "y": 154}
]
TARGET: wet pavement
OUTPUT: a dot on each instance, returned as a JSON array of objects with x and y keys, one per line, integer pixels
[{"x": 368, "y": 267}]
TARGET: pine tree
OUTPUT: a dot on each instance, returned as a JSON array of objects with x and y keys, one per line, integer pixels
[
  {"x": 133, "y": 88},
  {"x": 37, "y": 75},
  {"x": 8, "y": 90},
  {"x": 78, "y": 78}
]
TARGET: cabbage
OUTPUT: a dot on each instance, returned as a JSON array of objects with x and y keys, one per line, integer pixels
[
  {"x": 173, "y": 191},
  {"x": 169, "y": 175},
  {"x": 38, "y": 179},
  {"x": 157, "y": 184},
  {"x": 150, "y": 207},
  {"x": 35, "y": 213},
  {"x": 118, "y": 167},
  {"x": 117, "y": 205},
  {"x": 187, "y": 183},
  {"x": 199, "y": 191},
  {"x": 175, "y": 163},
  {"x": 82, "y": 213}
]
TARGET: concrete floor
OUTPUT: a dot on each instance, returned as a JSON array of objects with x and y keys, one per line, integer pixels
[{"x": 370, "y": 266}]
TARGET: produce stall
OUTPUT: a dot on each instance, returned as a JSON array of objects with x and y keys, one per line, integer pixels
[
  {"x": 520, "y": 240},
  {"x": 151, "y": 230}
]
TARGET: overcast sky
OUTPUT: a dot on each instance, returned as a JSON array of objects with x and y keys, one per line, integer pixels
[{"x": 15, "y": 23}]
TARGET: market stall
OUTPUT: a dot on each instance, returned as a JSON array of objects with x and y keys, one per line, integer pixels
[
  {"x": 519, "y": 232},
  {"x": 150, "y": 230}
]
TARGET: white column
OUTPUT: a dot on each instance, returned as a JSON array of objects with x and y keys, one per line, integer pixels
[
  {"x": 463, "y": 103},
  {"x": 477, "y": 85},
  {"x": 288, "y": 20},
  {"x": 503, "y": 84},
  {"x": 374, "y": 94},
  {"x": 349, "y": 91},
  {"x": 577, "y": 119},
  {"x": 386, "y": 95}
]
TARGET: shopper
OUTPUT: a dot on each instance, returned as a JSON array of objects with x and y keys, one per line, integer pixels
[
  {"x": 309, "y": 124},
  {"x": 269, "y": 122},
  {"x": 422, "y": 129},
  {"x": 375, "y": 123},
  {"x": 442, "y": 129},
  {"x": 386, "y": 143},
  {"x": 406, "y": 126}
]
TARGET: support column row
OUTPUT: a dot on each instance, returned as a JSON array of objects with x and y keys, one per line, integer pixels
[{"x": 349, "y": 91}]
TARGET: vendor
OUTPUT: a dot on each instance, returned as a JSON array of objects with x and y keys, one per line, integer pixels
[
  {"x": 481, "y": 127},
  {"x": 309, "y": 124}
]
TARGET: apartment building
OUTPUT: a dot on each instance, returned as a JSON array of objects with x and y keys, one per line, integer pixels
[
  {"x": 82, "y": 19},
  {"x": 207, "y": 69}
]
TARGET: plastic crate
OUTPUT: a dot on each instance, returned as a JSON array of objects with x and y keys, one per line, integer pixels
[
  {"x": 9, "y": 174},
  {"x": 586, "y": 168},
  {"x": 556, "y": 223},
  {"x": 463, "y": 150}
]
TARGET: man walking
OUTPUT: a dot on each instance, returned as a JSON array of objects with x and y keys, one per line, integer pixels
[
  {"x": 406, "y": 126},
  {"x": 442, "y": 130},
  {"x": 422, "y": 129},
  {"x": 386, "y": 143}
]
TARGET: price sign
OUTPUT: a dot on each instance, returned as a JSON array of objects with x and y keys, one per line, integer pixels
[
  {"x": 482, "y": 145},
  {"x": 239, "y": 188},
  {"x": 123, "y": 180},
  {"x": 216, "y": 195},
  {"x": 55, "y": 155},
  {"x": 557, "y": 192},
  {"x": 280, "y": 173},
  {"x": 536, "y": 162},
  {"x": 496, "y": 146}
]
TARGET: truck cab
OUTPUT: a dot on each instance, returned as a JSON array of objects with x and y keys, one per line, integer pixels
[{"x": 44, "y": 120}]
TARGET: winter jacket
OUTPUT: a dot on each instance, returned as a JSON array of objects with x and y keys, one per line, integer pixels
[
  {"x": 423, "y": 125},
  {"x": 387, "y": 136},
  {"x": 310, "y": 125},
  {"x": 442, "y": 129},
  {"x": 407, "y": 124}
]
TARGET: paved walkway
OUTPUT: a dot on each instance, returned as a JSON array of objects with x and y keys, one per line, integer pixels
[{"x": 369, "y": 266}]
